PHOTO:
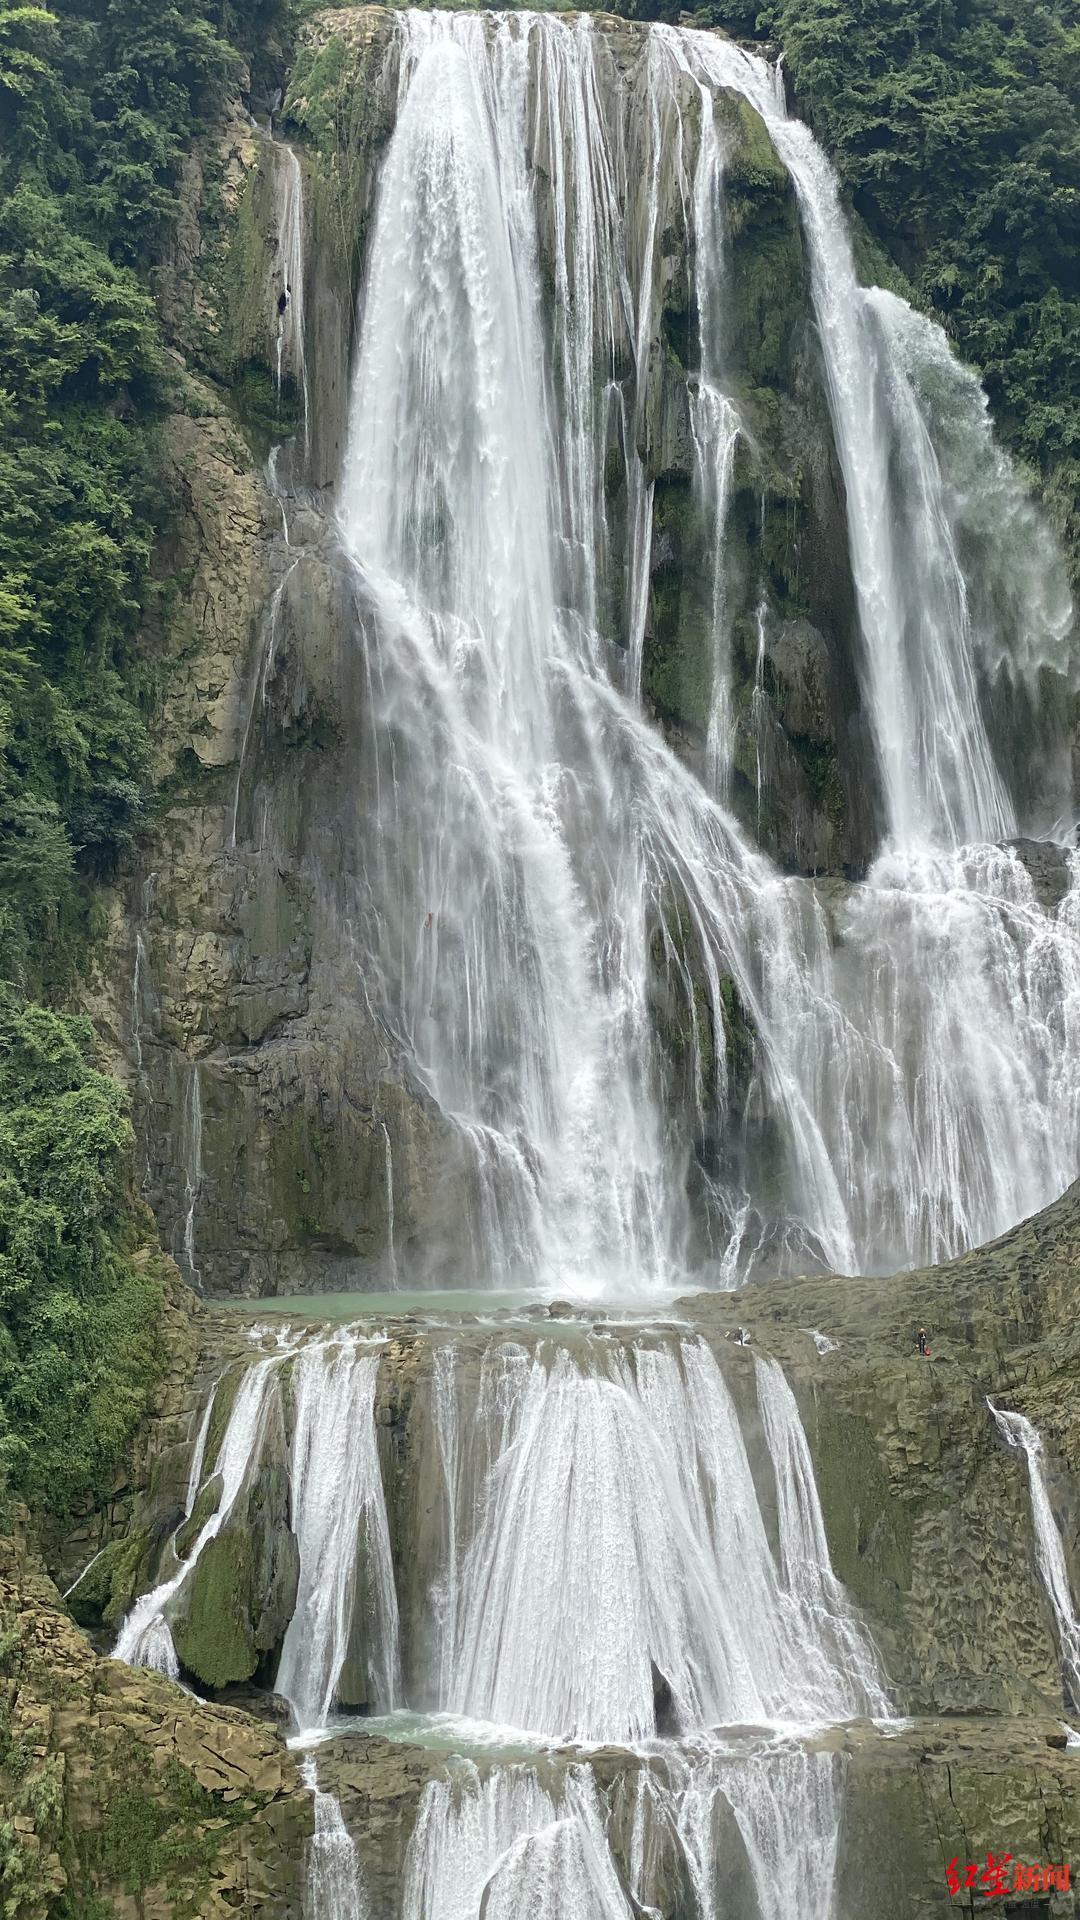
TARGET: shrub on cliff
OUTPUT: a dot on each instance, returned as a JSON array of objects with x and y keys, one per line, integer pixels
[
  {"x": 78, "y": 1321},
  {"x": 99, "y": 101}
]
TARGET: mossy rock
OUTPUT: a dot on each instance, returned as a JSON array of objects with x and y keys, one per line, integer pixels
[
  {"x": 206, "y": 1504},
  {"x": 109, "y": 1586},
  {"x": 753, "y": 168},
  {"x": 211, "y": 1625},
  {"x": 232, "y": 1611}
]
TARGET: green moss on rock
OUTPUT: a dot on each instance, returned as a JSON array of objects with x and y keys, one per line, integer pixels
[
  {"x": 869, "y": 1528},
  {"x": 213, "y": 1631},
  {"x": 110, "y": 1584}
]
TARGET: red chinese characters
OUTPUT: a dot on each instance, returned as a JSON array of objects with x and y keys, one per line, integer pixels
[{"x": 995, "y": 1878}]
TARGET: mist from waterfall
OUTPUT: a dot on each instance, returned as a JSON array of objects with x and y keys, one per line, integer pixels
[{"x": 539, "y": 860}]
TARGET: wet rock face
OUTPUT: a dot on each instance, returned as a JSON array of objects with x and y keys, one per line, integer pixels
[
  {"x": 281, "y": 1140},
  {"x": 920, "y": 1494},
  {"x": 122, "y": 1789}
]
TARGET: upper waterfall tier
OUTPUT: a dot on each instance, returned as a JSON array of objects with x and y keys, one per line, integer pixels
[
  {"x": 535, "y": 850},
  {"x": 655, "y": 535}
]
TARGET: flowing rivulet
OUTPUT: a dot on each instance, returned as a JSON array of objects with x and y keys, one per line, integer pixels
[{"x": 603, "y": 1569}]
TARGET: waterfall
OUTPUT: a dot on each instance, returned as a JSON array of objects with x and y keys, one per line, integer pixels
[
  {"x": 905, "y": 526},
  {"x": 391, "y": 1250},
  {"x": 1020, "y": 1434},
  {"x": 622, "y": 1543},
  {"x": 784, "y": 1801},
  {"x": 289, "y": 279},
  {"x": 534, "y": 846},
  {"x": 506, "y": 1846},
  {"x": 623, "y": 1471},
  {"x": 193, "y": 1170},
  {"x": 198, "y": 1452},
  {"x": 603, "y": 1574},
  {"x": 339, "y": 1518},
  {"x": 714, "y": 428},
  {"x": 144, "y": 1639},
  {"x": 271, "y": 633},
  {"x": 759, "y": 716},
  {"x": 824, "y": 1618},
  {"x": 333, "y": 1881}
]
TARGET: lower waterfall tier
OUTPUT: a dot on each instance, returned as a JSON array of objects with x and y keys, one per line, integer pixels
[
  {"x": 596, "y": 1533},
  {"x": 462, "y": 1545}
]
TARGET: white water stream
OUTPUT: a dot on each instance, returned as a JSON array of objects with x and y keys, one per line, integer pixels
[
  {"x": 1019, "y": 1433},
  {"x": 606, "y": 1540},
  {"x": 291, "y": 355},
  {"x": 144, "y": 1639},
  {"x": 339, "y": 1518},
  {"x": 334, "y": 1886}
]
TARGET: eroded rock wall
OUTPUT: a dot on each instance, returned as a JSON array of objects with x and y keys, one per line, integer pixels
[{"x": 123, "y": 1795}]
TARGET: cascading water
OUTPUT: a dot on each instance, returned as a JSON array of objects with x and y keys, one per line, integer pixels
[
  {"x": 621, "y": 1470},
  {"x": 193, "y": 1171},
  {"x": 334, "y": 1886},
  {"x": 507, "y": 1846},
  {"x": 339, "y": 1518},
  {"x": 535, "y": 846},
  {"x": 603, "y": 1574},
  {"x": 198, "y": 1453},
  {"x": 714, "y": 427},
  {"x": 144, "y": 1639},
  {"x": 1019, "y": 1433},
  {"x": 291, "y": 355}
]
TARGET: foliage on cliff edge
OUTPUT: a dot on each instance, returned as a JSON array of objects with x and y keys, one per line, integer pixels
[
  {"x": 99, "y": 102},
  {"x": 955, "y": 125},
  {"x": 78, "y": 1319}
]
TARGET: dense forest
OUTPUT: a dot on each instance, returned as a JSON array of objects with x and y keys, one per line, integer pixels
[{"x": 954, "y": 124}]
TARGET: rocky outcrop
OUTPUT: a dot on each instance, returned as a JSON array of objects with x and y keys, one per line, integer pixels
[{"x": 121, "y": 1792}]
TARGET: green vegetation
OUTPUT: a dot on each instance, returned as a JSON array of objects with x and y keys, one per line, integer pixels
[
  {"x": 78, "y": 1320},
  {"x": 955, "y": 125},
  {"x": 99, "y": 102},
  {"x": 170, "y": 1838}
]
